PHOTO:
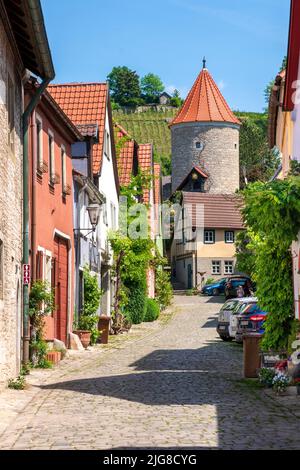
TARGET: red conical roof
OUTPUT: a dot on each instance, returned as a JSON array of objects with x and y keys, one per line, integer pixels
[{"x": 205, "y": 103}]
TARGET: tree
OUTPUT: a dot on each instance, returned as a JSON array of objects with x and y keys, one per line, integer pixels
[
  {"x": 124, "y": 86},
  {"x": 271, "y": 212},
  {"x": 257, "y": 161},
  {"x": 152, "y": 87},
  {"x": 176, "y": 100}
]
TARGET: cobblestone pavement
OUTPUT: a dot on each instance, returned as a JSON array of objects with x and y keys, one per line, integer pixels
[{"x": 179, "y": 386}]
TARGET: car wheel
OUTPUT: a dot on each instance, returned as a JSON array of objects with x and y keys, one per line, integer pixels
[
  {"x": 215, "y": 292},
  {"x": 227, "y": 339}
]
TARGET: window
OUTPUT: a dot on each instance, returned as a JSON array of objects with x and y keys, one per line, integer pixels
[
  {"x": 107, "y": 144},
  {"x": 113, "y": 216},
  {"x": 39, "y": 143},
  {"x": 216, "y": 267},
  {"x": 51, "y": 157},
  {"x": 11, "y": 112},
  {"x": 229, "y": 237},
  {"x": 1, "y": 270},
  {"x": 228, "y": 267},
  {"x": 63, "y": 169},
  {"x": 199, "y": 145},
  {"x": 209, "y": 236},
  {"x": 105, "y": 219}
]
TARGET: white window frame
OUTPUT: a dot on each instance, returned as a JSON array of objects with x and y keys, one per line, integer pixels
[
  {"x": 39, "y": 141},
  {"x": 209, "y": 242},
  {"x": 228, "y": 264},
  {"x": 216, "y": 267},
  {"x": 51, "y": 156},
  {"x": 113, "y": 216},
  {"x": 232, "y": 239},
  {"x": 63, "y": 157}
]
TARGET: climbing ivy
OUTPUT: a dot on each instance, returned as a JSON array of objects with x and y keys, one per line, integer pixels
[{"x": 271, "y": 213}]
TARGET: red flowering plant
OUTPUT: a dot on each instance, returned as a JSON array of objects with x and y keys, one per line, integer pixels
[{"x": 281, "y": 365}]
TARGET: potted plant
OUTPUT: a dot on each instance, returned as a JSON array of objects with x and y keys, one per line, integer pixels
[
  {"x": 85, "y": 325},
  {"x": 280, "y": 383}
]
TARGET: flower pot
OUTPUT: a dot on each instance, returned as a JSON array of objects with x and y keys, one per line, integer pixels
[
  {"x": 53, "y": 356},
  {"x": 84, "y": 336}
]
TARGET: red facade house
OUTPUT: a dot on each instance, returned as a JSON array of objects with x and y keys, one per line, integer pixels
[{"x": 51, "y": 208}]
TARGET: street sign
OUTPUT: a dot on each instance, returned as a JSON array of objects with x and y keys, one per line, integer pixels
[{"x": 26, "y": 274}]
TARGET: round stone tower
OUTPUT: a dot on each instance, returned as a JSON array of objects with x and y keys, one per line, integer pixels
[{"x": 205, "y": 133}]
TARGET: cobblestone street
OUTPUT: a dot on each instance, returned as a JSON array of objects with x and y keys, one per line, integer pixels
[{"x": 177, "y": 386}]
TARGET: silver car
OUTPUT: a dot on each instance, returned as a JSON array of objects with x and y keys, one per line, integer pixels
[{"x": 227, "y": 324}]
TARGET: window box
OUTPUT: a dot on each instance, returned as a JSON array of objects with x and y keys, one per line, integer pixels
[
  {"x": 55, "y": 179},
  {"x": 67, "y": 190}
]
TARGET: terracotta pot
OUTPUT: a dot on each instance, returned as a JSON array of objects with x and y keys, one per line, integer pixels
[
  {"x": 84, "y": 336},
  {"x": 53, "y": 356}
]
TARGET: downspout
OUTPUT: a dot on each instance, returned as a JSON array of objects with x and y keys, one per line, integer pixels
[
  {"x": 26, "y": 118},
  {"x": 33, "y": 196}
]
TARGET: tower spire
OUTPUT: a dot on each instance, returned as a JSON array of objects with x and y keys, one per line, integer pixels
[{"x": 204, "y": 62}]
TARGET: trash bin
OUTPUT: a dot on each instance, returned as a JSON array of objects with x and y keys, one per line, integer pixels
[
  {"x": 103, "y": 327},
  {"x": 252, "y": 359}
]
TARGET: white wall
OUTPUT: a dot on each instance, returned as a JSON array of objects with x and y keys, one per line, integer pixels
[{"x": 107, "y": 187}]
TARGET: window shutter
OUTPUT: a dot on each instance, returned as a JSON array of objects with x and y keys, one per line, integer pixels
[{"x": 39, "y": 265}]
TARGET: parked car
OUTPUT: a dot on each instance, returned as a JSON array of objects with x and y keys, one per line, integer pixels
[
  {"x": 216, "y": 288},
  {"x": 232, "y": 284},
  {"x": 226, "y": 327},
  {"x": 251, "y": 320}
]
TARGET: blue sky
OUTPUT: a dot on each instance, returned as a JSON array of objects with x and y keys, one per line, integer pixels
[{"x": 244, "y": 42}]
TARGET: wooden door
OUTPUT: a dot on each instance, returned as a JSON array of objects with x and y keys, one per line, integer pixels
[{"x": 61, "y": 289}]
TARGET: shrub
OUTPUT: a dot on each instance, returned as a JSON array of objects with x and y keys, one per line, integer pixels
[
  {"x": 266, "y": 376},
  {"x": 136, "y": 305},
  {"x": 17, "y": 384},
  {"x": 163, "y": 288},
  {"x": 152, "y": 310},
  {"x": 209, "y": 281}
]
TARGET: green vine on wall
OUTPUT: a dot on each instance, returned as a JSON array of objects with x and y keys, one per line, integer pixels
[{"x": 272, "y": 215}]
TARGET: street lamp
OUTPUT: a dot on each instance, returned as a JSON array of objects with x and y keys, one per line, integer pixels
[{"x": 94, "y": 215}]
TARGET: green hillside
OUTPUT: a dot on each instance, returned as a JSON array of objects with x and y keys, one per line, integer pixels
[{"x": 152, "y": 127}]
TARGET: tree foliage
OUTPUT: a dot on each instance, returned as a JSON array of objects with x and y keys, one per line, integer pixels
[
  {"x": 124, "y": 86},
  {"x": 272, "y": 214},
  {"x": 257, "y": 161},
  {"x": 152, "y": 87}
]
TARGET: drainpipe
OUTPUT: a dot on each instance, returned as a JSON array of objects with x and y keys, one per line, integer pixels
[
  {"x": 26, "y": 118},
  {"x": 33, "y": 195}
]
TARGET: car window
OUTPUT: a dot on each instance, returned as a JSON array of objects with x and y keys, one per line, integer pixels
[
  {"x": 252, "y": 308},
  {"x": 245, "y": 305},
  {"x": 230, "y": 305}
]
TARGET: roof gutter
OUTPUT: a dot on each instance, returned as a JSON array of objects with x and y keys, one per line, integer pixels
[
  {"x": 43, "y": 45},
  {"x": 35, "y": 10}
]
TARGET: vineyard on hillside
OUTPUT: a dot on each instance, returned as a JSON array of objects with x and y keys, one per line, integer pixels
[{"x": 152, "y": 127}]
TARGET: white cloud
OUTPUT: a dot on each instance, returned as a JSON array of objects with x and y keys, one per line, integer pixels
[{"x": 222, "y": 85}]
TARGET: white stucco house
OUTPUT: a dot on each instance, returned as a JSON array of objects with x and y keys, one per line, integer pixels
[{"x": 88, "y": 106}]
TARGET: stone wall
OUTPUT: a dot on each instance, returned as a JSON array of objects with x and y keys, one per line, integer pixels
[
  {"x": 218, "y": 155},
  {"x": 10, "y": 217}
]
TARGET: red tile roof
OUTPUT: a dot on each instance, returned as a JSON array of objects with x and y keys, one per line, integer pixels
[
  {"x": 185, "y": 179},
  {"x": 84, "y": 103},
  {"x": 145, "y": 154},
  {"x": 126, "y": 155},
  {"x": 220, "y": 211},
  {"x": 205, "y": 103}
]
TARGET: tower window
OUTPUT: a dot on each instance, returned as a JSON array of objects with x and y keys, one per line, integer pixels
[
  {"x": 199, "y": 146},
  {"x": 235, "y": 146}
]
